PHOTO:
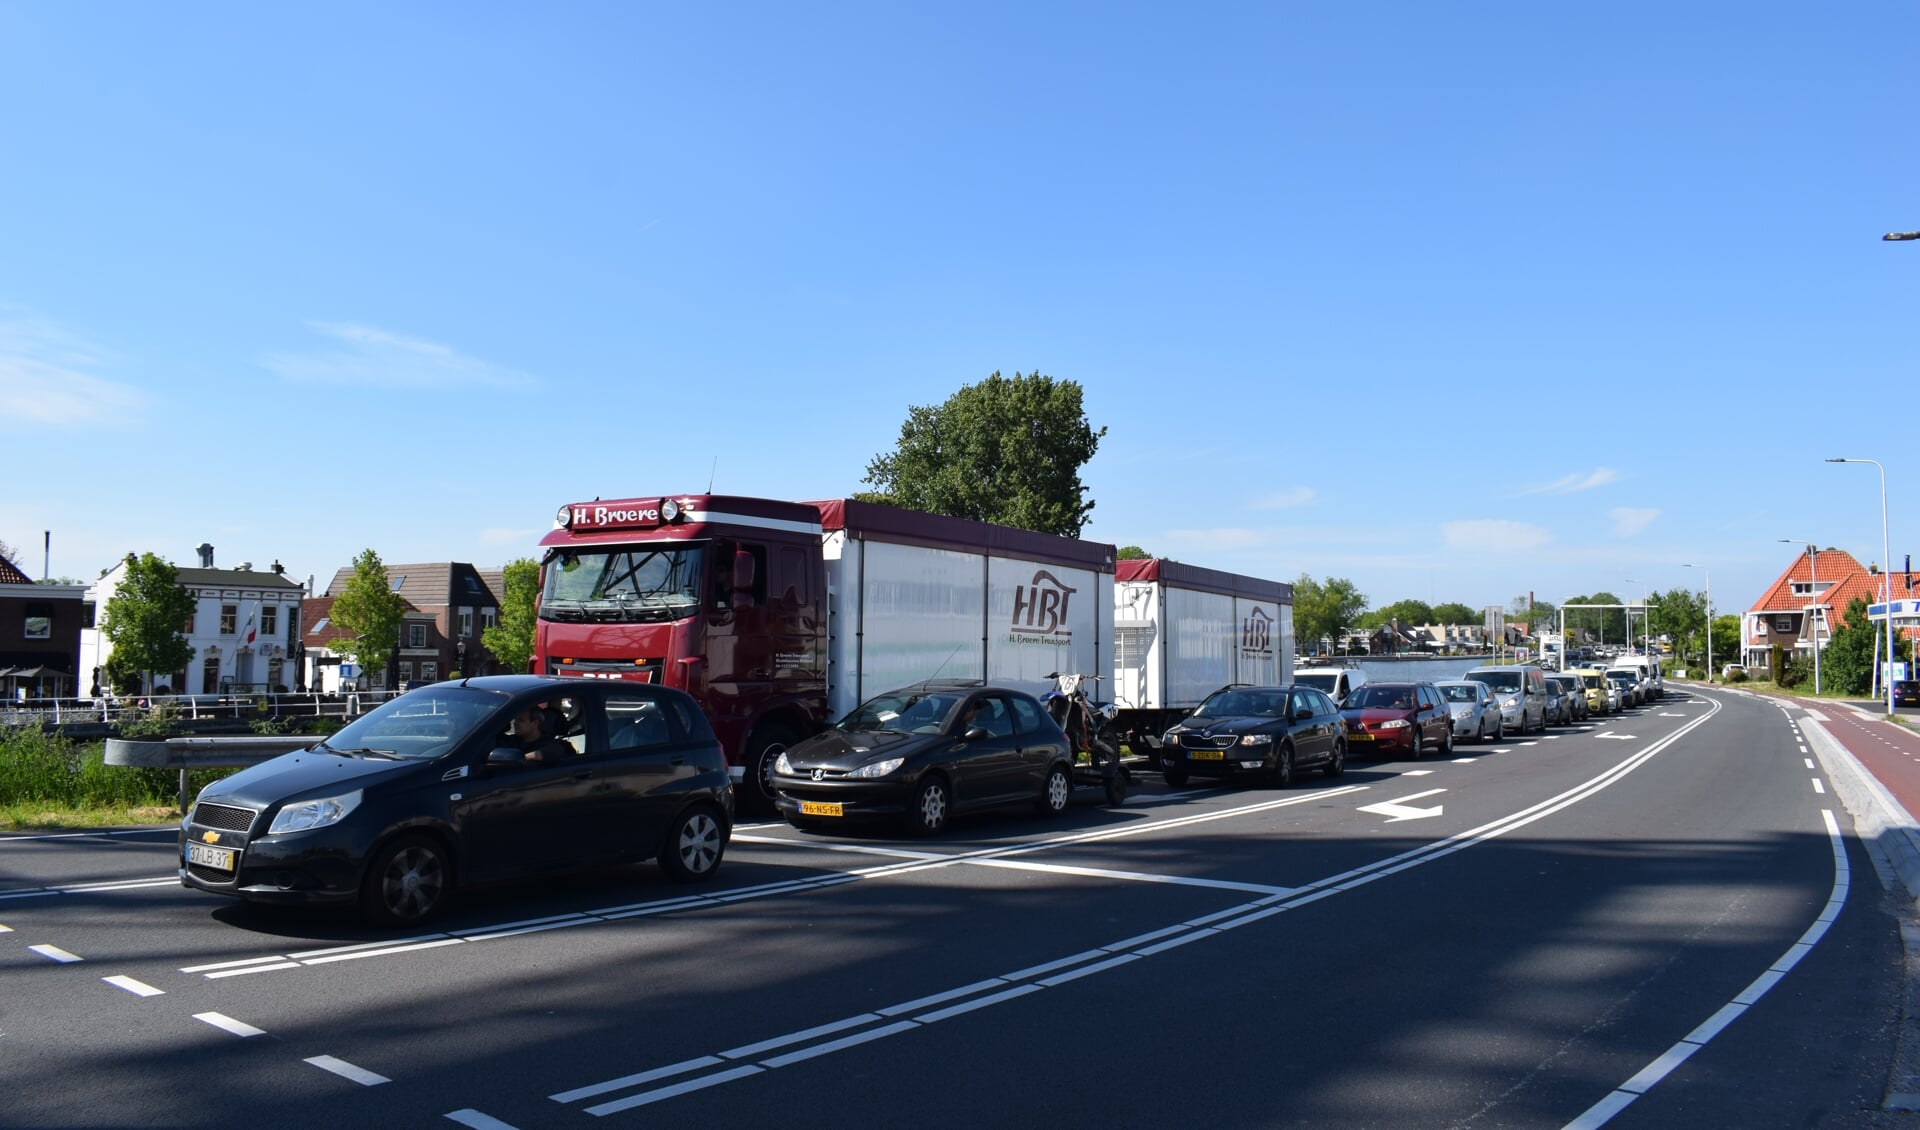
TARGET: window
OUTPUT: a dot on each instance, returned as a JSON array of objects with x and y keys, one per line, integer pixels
[
  {"x": 293, "y": 624},
  {"x": 397, "y": 582},
  {"x": 320, "y": 625},
  {"x": 416, "y": 635},
  {"x": 1027, "y": 713},
  {"x": 210, "y": 676},
  {"x": 430, "y": 672},
  {"x": 466, "y": 622},
  {"x": 406, "y": 672},
  {"x": 269, "y": 619},
  {"x": 191, "y": 617},
  {"x": 489, "y": 617},
  {"x": 276, "y": 674},
  {"x": 228, "y": 614},
  {"x": 39, "y": 621},
  {"x": 87, "y": 615}
]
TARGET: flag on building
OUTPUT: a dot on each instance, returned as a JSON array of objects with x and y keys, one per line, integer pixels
[{"x": 249, "y": 633}]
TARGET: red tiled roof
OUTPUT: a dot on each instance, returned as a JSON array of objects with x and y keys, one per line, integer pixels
[
  {"x": 10, "y": 574},
  {"x": 1834, "y": 567}
]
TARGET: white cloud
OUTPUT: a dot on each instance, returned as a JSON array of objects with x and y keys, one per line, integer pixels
[
  {"x": 1628, "y": 521},
  {"x": 43, "y": 381},
  {"x": 1283, "y": 500},
  {"x": 371, "y": 356},
  {"x": 1598, "y": 477},
  {"x": 1494, "y": 535}
]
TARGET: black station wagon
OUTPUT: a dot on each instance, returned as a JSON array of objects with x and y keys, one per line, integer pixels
[{"x": 1264, "y": 732}]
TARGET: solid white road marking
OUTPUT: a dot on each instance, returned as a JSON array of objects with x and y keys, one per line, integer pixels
[
  {"x": 1131, "y": 876},
  {"x": 1643, "y": 1081},
  {"x": 137, "y": 988},
  {"x": 347, "y": 1070},
  {"x": 54, "y": 953},
  {"x": 477, "y": 1120},
  {"x": 228, "y": 1024}
]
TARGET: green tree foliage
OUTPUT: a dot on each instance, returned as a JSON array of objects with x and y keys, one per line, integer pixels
[
  {"x": 1608, "y": 625},
  {"x": 1456, "y": 613},
  {"x": 1006, "y": 450},
  {"x": 1726, "y": 640},
  {"x": 1682, "y": 615},
  {"x": 1131, "y": 553},
  {"x": 1846, "y": 663},
  {"x": 146, "y": 622},
  {"x": 371, "y": 613},
  {"x": 1320, "y": 610},
  {"x": 511, "y": 642},
  {"x": 1408, "y": 613}
]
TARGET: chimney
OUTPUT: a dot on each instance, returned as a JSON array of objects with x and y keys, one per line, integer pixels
[
  {"x": 206, "y": 555},
  {"x": 279, "y": 570},
  {"x": 246, "y": 566}
]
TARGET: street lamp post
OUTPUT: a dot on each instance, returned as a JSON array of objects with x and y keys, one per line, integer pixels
[
  {"x": 1646, "y": 626},
  {"x": 1709, "y": 574},
  {"x": 1813, "y": 587},
  {"x": 1886, "y": 581}
]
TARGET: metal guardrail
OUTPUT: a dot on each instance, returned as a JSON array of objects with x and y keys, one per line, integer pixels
[
  {"x": 189, "y": 753},
  {"x": 193, "y": 707}
]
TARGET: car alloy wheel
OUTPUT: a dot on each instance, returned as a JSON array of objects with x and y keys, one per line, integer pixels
[
  {"x": 1053, "y": 795},
  {"x": 408, "y": 883},
  {"x": 931, "y": 802}
]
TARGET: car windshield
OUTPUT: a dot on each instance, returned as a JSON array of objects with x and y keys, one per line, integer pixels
[
  {"x": 1620, "y": 676},
  {"x": 623, "y": 583},
  {"x": 1459, "y": 692},
  {"x": 1508, "y": 681},
  {"x": 1590, "y": 680},
  {"x": 903, "y": 712},
  {"x": 1244, "y": 704},
  {"x": 1323, "y": 683},
  {"x": 1381, "y": 698},
  {"x": 419, "y": 725}
]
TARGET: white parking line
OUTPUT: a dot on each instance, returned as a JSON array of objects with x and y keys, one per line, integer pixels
[
  {"x": 347, "y": 1070},
  {"x": 477, "y": 1120},
  {"x": 137, "y": 988},
  {"x": 53, "y": 953},
  {"x": 228, "y": 1024}
]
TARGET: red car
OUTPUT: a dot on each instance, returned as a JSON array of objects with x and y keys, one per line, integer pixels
[{"x": 1396, "y": 718}]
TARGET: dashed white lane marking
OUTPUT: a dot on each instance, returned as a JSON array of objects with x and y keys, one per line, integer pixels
[
  {"x": 1818, "y": 787},
  {"x": 137, "y": 988},
  {"x": 54, "y": 953},
  {"x": 347, "y": 1070},
  {"x": 1465, "y": 760},
  {"x": 1418, "y": 773},
  {"x": 91, "y": 888},
  {"x": 1810, "y": 764},
  {"x": 477, "y": 1120},
  {"x": 5, "y": 929},
  {"x": 228, "y": 1024},
  {"x": 1599, "y": 1113}
]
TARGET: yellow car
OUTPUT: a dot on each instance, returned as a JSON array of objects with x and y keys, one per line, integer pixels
[{"x": 1602, "y": 696}]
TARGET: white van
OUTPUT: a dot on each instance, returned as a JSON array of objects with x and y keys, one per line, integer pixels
[
  {"x": 1521, "y": 691},
  {"x": 1646, "y": 672},
  {"x": 1334, "y": 682}
]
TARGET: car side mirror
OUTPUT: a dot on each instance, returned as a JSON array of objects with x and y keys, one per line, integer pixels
[
  {"x": 505, "y": 755},
  {"x": 976, "y": 734},
  {"x": 1302, "y": 714}
]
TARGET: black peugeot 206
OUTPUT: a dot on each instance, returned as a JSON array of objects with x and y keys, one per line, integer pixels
[
  {"x": 1261, "y": 732},
  {"x": 431, "y": 791}
]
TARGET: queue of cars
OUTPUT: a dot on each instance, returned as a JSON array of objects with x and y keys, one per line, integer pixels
[{"x": 442, "y": 788}]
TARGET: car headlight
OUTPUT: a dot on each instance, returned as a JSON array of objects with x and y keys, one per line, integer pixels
[
  {"x": 1256, "y": 739},
  {"x": 878, "y": 768},
  {"x": 1394, "y": 724},
  {"x": 1171, "y": 737},
  {"x": 1510, "y": 700},
  {"x": 782, "y": 765},
  {"x": 310, "y": 814}
]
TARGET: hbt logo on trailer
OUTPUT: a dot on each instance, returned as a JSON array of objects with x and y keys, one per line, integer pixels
[
  {"x": 1256, "y": 633},
  {"x": 1040, "y": 608}
]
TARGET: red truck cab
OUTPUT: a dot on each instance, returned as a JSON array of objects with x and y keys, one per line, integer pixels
[{"x": 720, "y": 596}]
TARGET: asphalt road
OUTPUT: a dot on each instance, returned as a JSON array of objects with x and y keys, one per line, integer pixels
[{"x": 1653, "y": 920}]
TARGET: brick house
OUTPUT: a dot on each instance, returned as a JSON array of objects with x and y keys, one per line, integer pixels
[
  {"x": 1813, "y": 592},
  {"x": 40, "y": 629},
  {"x": 449, "y": 603}
]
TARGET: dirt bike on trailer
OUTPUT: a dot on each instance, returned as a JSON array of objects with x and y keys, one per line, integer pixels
[{"x": 1085, "y": 723}]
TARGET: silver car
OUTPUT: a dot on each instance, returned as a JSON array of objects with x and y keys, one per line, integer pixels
[{"x": 1476, "y": 716}]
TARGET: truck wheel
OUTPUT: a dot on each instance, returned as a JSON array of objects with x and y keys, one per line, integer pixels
[{"x": 763, "y": 749}]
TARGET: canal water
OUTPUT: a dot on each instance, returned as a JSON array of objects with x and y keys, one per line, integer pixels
[{"x": 1412, "y": 669}]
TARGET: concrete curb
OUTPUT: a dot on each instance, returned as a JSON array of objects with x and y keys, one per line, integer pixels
[{"x": 1879, "y": 820}]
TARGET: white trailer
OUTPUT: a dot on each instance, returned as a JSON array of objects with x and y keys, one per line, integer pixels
[
  {"x": 916, "y": 596},
  {"x": 1182, "y": 632}
]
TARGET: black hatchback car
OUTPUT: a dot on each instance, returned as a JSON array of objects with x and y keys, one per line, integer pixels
[
  {"x": 923, "y": 753},
  {"x": 429, "y": 791},
  {"x": 1906, "y": 692},
  {"x": 1266, "y": 732}
]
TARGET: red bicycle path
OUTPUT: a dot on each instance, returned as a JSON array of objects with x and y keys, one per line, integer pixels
[{"x": 1887, "y": 750}]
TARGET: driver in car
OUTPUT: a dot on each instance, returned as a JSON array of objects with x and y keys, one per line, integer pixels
[{"x": 537, "y": 731}]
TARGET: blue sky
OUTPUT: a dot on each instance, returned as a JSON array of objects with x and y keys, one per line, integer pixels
[{"x": 1459, "y": 302}]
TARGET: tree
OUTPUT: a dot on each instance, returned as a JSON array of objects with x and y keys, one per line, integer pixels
[
  {"x": 511, "y": 642},
  {"x": 371, "y": 613},
  {"x": 1681, "y": 614},
  {"x": 1408, "y": 613},
  {"x": 146, "y": 622},
  {"x": 1131, "y": 553},
  {"x": 1456, "y": 613},
  {"x": 1726, "y": 639},
  {"x": 1004, "y": 450},
  {"x": 1320, "y": 611},
  {"x": 1846, "y": 663}
]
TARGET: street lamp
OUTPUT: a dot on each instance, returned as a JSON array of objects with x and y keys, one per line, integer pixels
[
  {"x": 1813, "y": 587},
  {"x": 1646, "y": 626},
  {"x": 1886, "y": 582},
  {"x": 1709, "y": 574}
]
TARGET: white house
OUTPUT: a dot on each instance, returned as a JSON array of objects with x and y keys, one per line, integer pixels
[{"x": 245, "y": 628}]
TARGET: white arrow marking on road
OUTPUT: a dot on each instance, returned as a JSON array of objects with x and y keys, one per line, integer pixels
[
  {"x": 1400, "y": 811},
  {"x": 1615, "y": 737}
]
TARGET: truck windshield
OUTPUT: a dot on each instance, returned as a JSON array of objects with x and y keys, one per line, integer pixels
[{"x": 623, "y": 583}]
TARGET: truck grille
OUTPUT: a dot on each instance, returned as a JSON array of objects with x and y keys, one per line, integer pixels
[{"x": 224, "y": 817}]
